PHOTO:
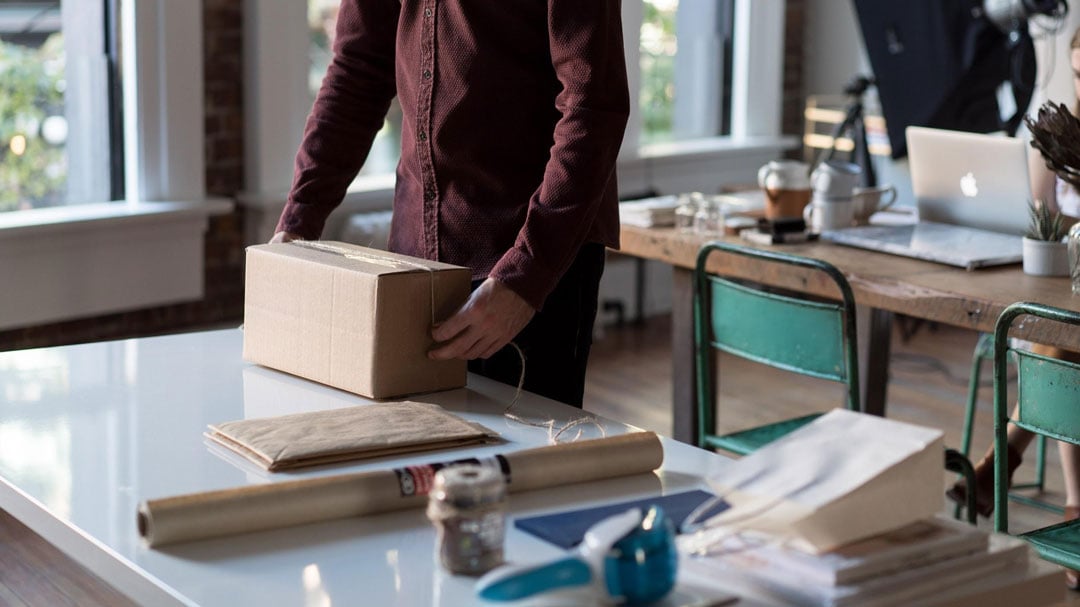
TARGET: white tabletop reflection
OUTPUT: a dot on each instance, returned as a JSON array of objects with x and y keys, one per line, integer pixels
[{"x": 89, "y": 431}]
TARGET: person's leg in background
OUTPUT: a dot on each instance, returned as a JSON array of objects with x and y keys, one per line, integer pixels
[
  {"x": 556, "y": 342},
  {"x": 1018, "y": 440}
]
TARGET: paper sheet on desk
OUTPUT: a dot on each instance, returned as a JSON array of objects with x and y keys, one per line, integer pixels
[{"x": 843, "y": 477}]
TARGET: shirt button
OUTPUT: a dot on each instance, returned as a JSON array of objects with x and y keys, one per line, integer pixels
[
  {"x": 423, "y": 136},
  {"x": 427, "y": 74},
  {"x": 427, "y": 12},
  {"x": 429, "y": 195}
]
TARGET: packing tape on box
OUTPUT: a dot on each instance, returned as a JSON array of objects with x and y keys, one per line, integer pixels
[
  {"x": 359, "y": 256},
  {"x": 373, "y": 259},
  {"x": 196, "y": 516}
]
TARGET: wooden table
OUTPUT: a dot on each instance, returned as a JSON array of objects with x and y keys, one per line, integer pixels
[{"x": 882, "y": 283}]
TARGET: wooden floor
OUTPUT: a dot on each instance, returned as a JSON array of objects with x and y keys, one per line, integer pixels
[{"x": 630, "y": 380}]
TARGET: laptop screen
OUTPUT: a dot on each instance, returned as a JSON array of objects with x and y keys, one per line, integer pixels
[{"x": 970, "y": 179}]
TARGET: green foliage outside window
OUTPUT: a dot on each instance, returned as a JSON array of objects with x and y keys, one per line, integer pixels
[
  {"x": 32, "y": 171},
  {"x": 658, "y": 48}
]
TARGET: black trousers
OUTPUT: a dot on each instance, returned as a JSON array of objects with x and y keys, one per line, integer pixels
[{"x": 557, "y": 340}]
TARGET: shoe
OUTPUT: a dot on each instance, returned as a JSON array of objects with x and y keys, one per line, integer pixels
[
  {"x": 984, "y": 482},
  {"x": 1072, "y": 576}
]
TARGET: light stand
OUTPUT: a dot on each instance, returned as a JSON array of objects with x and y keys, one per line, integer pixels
[{"x": 854, "y": 126}]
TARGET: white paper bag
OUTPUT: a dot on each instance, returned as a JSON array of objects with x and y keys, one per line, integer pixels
[{"x": 843, "y": 477}]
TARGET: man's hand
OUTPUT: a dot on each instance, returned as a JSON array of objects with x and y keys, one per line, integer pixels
[
  {"x": 492, "y": 316},
  {"x": 285, "y": 237}
]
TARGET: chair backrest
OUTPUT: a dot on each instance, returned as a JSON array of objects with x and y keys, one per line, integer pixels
[
  {"x": 1047, "y": 392},
  {"x": 815, "y": 338}
]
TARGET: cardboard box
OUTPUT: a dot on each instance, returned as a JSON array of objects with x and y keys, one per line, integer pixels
[{"x": 347, "y": 316}]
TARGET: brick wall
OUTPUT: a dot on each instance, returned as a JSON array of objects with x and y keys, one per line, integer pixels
[
  {"x": 224, "y": 289},
  {"x": 794, "y": 97}
]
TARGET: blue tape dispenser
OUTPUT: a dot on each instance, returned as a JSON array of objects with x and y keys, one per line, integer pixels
[{"x": 629, "y": 557}]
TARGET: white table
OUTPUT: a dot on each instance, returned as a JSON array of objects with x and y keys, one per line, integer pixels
[{"x": 89, "y": 431}]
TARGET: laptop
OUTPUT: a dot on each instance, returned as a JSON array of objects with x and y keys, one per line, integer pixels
[{"x": 971, "y": 194}]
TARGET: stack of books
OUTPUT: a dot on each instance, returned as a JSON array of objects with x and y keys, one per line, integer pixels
[
  {"x": 922, "y": 563},
  {"x": 649, "y": 212}
]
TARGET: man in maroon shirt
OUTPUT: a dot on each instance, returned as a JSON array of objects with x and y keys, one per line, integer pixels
[{"x": 513, "y": 113}]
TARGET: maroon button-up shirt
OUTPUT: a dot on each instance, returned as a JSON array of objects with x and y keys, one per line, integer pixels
[{"x": 513, "y": 113}]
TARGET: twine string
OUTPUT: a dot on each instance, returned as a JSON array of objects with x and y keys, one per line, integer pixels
[{"x": 549, "y": 425}]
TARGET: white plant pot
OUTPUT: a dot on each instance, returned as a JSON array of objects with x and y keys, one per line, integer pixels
[{"x": 1044, "y": 258}]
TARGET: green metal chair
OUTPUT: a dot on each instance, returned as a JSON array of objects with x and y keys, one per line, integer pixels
[
  {"x": 812, "y": 338},
  {"x": 1048, "y": 393},
  {"x": 984, "y": 351}
]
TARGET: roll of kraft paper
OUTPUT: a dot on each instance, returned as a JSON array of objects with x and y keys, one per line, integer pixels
[{"x": 196, "y": 516}]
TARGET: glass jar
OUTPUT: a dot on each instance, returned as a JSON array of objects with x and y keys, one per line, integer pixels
[
  {"x": 686, "y": 210},
  {"x": 467, "y": 504},
  {"x": 1074, "y": 257},
  {"x": 709, "y": 218}
]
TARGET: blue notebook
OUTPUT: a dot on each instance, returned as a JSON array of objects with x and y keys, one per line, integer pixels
[{"x": 567, "y": 529}]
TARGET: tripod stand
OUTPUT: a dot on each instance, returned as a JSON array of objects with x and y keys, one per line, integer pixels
[{"x": 854, "y": 126}]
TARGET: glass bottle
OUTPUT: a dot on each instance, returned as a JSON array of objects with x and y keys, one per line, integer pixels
[
  {"x": 1074, "y": 257},
  {"x": 686, "y": 211},
  {"x": 710, "y": 217}
]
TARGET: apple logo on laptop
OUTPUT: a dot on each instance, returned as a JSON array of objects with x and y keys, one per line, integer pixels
[{"x": 968, "y": 186}]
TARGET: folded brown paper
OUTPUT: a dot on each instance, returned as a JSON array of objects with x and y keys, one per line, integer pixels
[
  {"x": 336, "y": 435},
  {"x": 259, "y": 507}
]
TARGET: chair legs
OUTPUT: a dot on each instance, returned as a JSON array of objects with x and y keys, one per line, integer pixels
[
  {"x": 955, "y": 462},
  {"x": 984, "y": 350}
]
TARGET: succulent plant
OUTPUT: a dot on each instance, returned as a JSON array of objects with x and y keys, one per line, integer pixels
[{"x": 1044, "y": 224}]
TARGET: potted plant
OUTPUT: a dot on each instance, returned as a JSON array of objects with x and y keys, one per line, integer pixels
[{"x": 1045, "y": 252}]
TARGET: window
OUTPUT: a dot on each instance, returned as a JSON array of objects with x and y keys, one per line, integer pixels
[
  {"x": 658, "y": 48},
  {"x": 55, "y": 116},
  {"x": 386, "y": 149},
  {"x": 685, "y": 62},
  {"x": 685, "y": 88},
  {"x": 105, "y": 257},
  {"x": 33, "y": 130}
]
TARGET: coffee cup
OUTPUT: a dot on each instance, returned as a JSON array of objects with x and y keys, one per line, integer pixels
[
  {"x": 871, "y": 200},
  {"x": 835, "y": 179},
  {"x": 828, "y": 214},
  {"x": 786, "y": 184}
]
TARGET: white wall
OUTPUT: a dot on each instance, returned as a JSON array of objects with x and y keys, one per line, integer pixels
[
  {"x": 1055, "y": 78},
  {"x": 833, "y": 48}
]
